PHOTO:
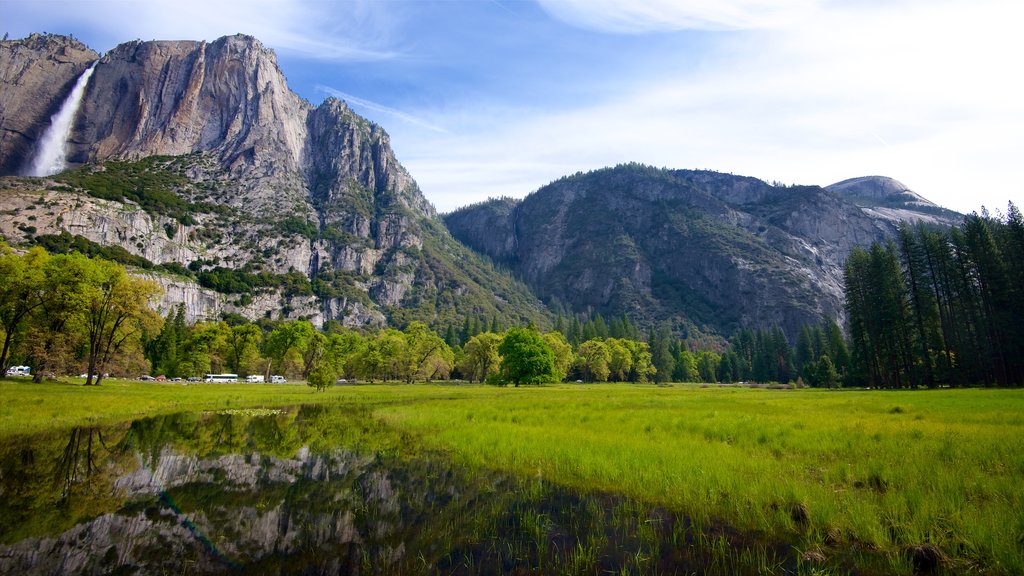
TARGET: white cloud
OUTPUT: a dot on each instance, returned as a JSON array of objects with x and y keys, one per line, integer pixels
[
  {"x": 377, "y": 107},
  {"x": 635, "y": 16},
  {"x": 926, "y": 93},
  {"x": 353, "y": 30}
]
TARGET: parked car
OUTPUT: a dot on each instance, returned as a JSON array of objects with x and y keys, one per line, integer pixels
[
  {"x": 19, "y": 371},
  {"x": 146, "y": 378},
  {"x": 277, "y": 379}
]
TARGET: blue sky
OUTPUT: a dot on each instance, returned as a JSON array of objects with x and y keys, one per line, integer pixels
[{"x": 487, "y": 98}]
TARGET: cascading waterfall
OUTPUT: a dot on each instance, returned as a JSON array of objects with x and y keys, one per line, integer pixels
[{"x": 51, "y": 151}]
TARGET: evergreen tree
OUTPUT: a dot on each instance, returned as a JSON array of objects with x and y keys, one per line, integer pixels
[
  {"x": 923, "y": 307},
  {"x": 661, "y": 357}
]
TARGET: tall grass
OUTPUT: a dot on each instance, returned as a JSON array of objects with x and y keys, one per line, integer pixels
[
  {"x": 854, "y": 475},
  {"x": 880, "y": 471}
]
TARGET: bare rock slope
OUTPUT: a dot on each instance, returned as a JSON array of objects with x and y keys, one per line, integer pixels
[
  {"x": 695, "y": 249},
  {"x": 36, "y": 73},
  {"x": 197, "y": 154}
]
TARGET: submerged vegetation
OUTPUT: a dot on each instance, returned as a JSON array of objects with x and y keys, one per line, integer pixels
[{"x": 847, "y": 480}]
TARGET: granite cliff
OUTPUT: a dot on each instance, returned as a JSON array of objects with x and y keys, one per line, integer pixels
[
  {"x": 36, "y": 73},
  {"x": 696, "y": 249},
  {"x": 198, "y": 158}
]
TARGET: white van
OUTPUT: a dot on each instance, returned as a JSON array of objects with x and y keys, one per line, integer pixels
[
  {"x": 276, "y": 379},
  {"x": 254, "y": 378}
]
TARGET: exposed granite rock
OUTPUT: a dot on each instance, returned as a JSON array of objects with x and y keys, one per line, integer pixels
[
  {"x": 36, "y": 73},
  {"x": 308, "y": 189},
  {"x": 692, "y": 248}
]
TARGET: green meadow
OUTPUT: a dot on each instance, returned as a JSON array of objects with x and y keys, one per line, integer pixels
[{"x": 859, "y": 480}]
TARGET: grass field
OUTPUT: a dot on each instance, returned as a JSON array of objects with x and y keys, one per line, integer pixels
[{"x": 846, "y": 474}]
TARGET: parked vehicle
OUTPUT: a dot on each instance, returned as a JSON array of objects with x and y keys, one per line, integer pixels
[
  {"x": 254, "y": 378},
  {"x": 222, "y": 378},
  {"x": 277, "y": 379},
  {"x": 19, "y": 371}
]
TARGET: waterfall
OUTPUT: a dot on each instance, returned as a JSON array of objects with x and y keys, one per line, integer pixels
[{"x": 51, "y": 149}]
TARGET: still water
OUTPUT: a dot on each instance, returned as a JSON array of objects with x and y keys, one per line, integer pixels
[{"x": 317, "y": 490}]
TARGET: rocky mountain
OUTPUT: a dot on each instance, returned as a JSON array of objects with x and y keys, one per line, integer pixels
[
  {"x": 699, "y": 250},
  {"x": 196, "y": 158},
  {"x": 36, "y": 73}
]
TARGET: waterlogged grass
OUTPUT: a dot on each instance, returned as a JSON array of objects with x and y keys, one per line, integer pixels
[
  {"x": 833, "y": 472},
  {"x": 859, "y": 478}
]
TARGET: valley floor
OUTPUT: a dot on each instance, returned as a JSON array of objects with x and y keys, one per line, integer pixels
[{"x": 868, "y": 480}]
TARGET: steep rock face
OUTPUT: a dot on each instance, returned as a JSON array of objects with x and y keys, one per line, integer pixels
[
  {"x": 36, "y": 73},
  {"x": 889, "y": 199},
  {"x": 172, "y": 98},
  {"x": 693, "y": 248},
  {"x": 206, "y": 159}
]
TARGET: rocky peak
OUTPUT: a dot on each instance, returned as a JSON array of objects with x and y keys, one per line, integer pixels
[
  {"x": 891, "y": 200},
  {"x": 36, "y": 73},
  {"x": 211, "y": 162},
  {"x": 696, "y": 249},
  {"x": 177, "y": 97},
  {"x": 876, "y": 188}
]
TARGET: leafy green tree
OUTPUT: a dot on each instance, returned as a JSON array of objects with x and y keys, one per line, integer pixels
[
  {"x": 592, "y": 359},
  {"x": 326, "y": 360},
  {"x": 526, "y": 358},
  {"x": 244, "y": 342},
  {"x": 642, "y": 369},
  {"x": 564, "y": 356},
  {"x": 381, "y": 358},
  {"x": 21, "y": 292},
  {"x": 481, "y": 359},
  {"x": 729, "y": 367},
  {"x": 58, "y": 323},
  {"x": 117, "y": 313},
  {"x": 427, "y": 356},
  {"x": 205, "y": 350},
  {"x": 287, "y": 344},
  {"x": 620, "y": 359},
  {"x": 686, "y": 367}
]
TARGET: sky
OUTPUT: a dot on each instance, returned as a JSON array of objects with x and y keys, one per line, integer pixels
[{"x": 488, "y": 98}]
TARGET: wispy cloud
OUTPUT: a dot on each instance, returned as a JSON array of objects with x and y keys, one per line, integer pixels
[
  {"x": 634, "y": 16},
  {"x": 370, "y": 105},
  {"x": 500, "y": 97},
  {"x": 920, "y": 91},
  {"x": 356, "y": 30}
]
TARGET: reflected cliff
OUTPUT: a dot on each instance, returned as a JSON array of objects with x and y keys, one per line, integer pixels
[{"x": 311, "y": 490}]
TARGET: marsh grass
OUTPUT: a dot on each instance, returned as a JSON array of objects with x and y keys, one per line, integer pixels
[
  {"x": 870, "y": 482},
  {"x": 859, "y": 478}
]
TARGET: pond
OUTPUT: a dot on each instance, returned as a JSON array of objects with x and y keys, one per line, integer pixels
[{"x": 320, "y": 490}]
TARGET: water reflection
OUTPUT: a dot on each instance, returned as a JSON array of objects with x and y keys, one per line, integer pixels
[{"x": 316, "y": 490}]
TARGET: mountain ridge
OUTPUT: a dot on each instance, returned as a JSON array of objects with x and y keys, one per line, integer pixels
[
  {"x": 204, "y": 158},
  {"x": 699, "y": 250},
  {"x": 197, "y": 158}
]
